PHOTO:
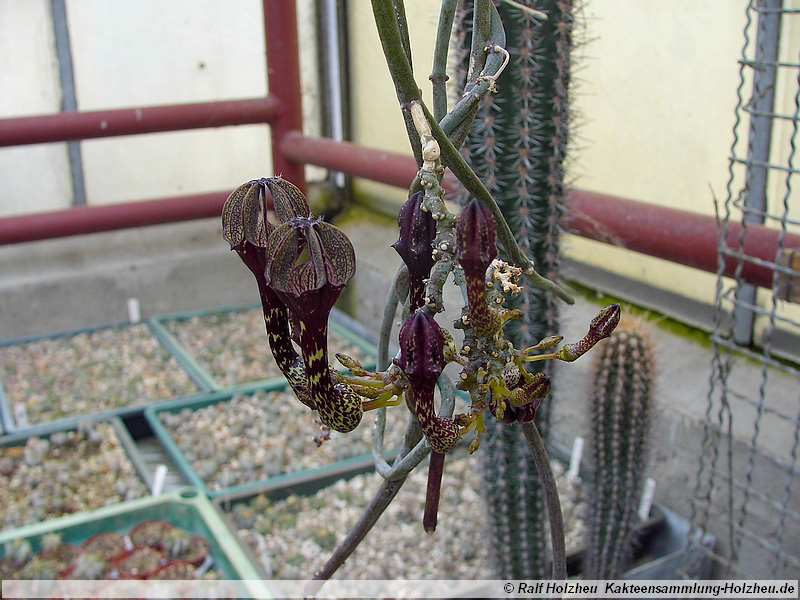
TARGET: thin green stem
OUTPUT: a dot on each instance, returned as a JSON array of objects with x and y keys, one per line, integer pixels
[
  {"x": 456, "y": 163},
  {"x": 380, "y": 501},
  {"x": 551, "y": 501},
  {"x": 399, "y": 66},
  {"x": 459, "y": 120},
  {"x": 481, "y": 32},
  {"x": 439, "y": 73},
  {"x": 402, "y": 26}
]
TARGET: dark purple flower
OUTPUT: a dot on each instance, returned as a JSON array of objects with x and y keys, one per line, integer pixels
[
  {"x": 475, "y": 251},
  {"x": 246, "y": 229},
  {"x": 415, "y": 246},
  {"x": 308, "y": 264},
  {"x": 422, "y": 360}
]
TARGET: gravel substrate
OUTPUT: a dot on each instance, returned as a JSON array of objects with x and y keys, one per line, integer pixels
[
  {"x": 232, "y": 346},
  {"x": 295, "y": 536},
  {"x": 256, "y": 436},
  {"x": 89, "y": 372},
  {"x": 64, "y": 473}
]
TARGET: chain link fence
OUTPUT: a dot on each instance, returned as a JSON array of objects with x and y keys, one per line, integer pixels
[{"x": 747, "y": 483}]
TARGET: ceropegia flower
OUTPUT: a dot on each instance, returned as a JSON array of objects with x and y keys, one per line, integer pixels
[
  {"x": 475, "y": 251},
  {"x": 422, "y": 361},
  {"x": 415, "y": 246},
  {"x": 308, "y": 264},
  {"x": 246, "y": 229}
]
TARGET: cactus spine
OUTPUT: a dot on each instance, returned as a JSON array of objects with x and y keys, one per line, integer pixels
[
  {"x": 620, "y": 415},
  {"x": 517, "y": 148}
]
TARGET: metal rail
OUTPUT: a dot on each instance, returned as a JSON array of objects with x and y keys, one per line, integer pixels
[{"x": 680, "y": 236}]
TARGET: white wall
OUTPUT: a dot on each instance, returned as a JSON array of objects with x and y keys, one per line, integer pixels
[
  {"x": 129, "y": 53},
  {"x": 32, "y": 177}
]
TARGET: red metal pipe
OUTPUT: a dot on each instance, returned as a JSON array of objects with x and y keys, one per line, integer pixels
[
  {"x": 680, "y": 236},
  {"x": 68, "y": 126},
  {"x": 109, "y": 217},
  {"x": 283, "y": 75},
  {"x": 345, "y": 157},
  {"x": 676, "y": 235}
]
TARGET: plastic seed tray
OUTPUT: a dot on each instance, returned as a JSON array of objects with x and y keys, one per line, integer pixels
[
  {"x": 38, "y": 473},
  {"x": 186, "y": 508},
  {"x": 229, "y": 442},
  {"x": 657, "y": 538},
  {"x": 110, "y": 370},
  {"x": 227, "y": 348}
]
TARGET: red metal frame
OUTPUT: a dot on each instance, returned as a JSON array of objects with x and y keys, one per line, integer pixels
[
  {"x": 679, "y": 236},
  {"x": 69, "y": 126}
]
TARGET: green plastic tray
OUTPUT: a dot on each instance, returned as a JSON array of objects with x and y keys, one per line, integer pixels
[
  {"x": 651, "y": 535},
  {"x": 9, "y": 423},
  {"x": 186, "y": 508},
  {"x": 124, "y": 437},
  {"x": 339, "y": 323},
  {"x": 183, "y": 465}
]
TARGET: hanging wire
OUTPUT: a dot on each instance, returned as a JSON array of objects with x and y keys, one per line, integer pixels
[{"x": 747, "y": 489}]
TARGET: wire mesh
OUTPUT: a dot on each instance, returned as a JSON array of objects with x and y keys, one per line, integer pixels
[{"x": 748, "y": 480}]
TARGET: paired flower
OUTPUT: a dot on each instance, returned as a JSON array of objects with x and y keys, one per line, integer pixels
[
  {"x": 301, "y": 267},
  {"x": 415, "y": 246}
]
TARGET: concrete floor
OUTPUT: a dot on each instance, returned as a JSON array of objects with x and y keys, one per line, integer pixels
[{"x": 73, "y": 283}]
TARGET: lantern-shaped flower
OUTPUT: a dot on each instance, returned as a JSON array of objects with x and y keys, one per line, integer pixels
[
  {"x": 422, "y": 360},
  {"x": 246, "y": 229},
  {"x": 308, "y": 264}
]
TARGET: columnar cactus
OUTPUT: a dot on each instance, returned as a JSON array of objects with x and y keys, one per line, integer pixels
[
  {"x": 517, "y": 147},
  {"x": 620, "y": 417}
]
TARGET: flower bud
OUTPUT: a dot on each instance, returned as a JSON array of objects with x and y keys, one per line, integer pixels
[
  {"x": 600, "y": 328},
  {"x": 475, "y": 238},
  {"x": 415, "y": 246}
]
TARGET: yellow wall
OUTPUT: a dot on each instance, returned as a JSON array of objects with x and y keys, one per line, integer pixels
[{"x": 655, "y": 95}]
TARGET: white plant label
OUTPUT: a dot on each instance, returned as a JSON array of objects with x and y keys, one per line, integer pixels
[{"x": 134, "y": 310}]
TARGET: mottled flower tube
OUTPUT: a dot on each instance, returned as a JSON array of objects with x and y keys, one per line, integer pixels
[
  {"x": 475, "y": 251},
  {"x": 415, "y": 246},
  {"x": 600, "y": 328},
  {"x": 422, "y": 360},
  {"x": 308, "y": 264},
  {"x": 246, "y": 229}
]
